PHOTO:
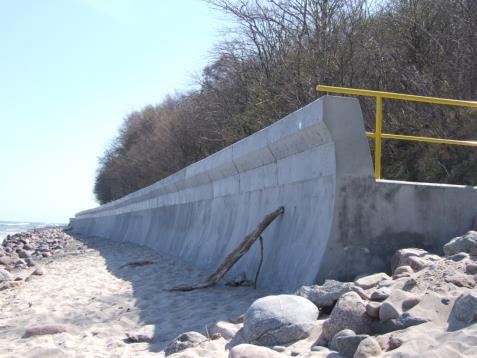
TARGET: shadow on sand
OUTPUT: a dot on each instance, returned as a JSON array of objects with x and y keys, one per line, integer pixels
[{"x": 170, "y": 313}]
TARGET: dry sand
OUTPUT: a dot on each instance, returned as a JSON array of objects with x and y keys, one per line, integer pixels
[{"x": 100, "y": 302}]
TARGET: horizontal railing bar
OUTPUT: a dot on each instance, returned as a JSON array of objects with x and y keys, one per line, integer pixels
[
  {"x": 399, "y": 96},
  {"x": 425, "y": 139}
]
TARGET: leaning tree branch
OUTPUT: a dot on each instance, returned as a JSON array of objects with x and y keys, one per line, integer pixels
[{"x": 235, "y": 255}]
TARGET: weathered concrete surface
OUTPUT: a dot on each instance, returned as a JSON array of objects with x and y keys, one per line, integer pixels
[{"x": 316, "y": 162}]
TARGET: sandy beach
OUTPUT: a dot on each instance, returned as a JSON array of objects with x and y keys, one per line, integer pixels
[
  {"x": 99, "y": 300},
  {"x": 72, "y": 296}
]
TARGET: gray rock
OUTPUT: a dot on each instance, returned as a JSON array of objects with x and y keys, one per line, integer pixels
[
  {"x": 280, "y": 319},
  {"x": 465, "y": 307},
  {"x": 44, "y": 329},
  {"x": 29, "y": 262},
  {"x": 409, "y": 284},
  {"x": 410, "y": 302},
  {"x": 9, "y": 284},
  {"x": 184, "y": 341},
  {"x": 346, "y": 341},
  {"x": 461, "y": 280},
  {"x": 466, "y": 243},
  {"x": 325, "y": 295},
  {"x": 319, "y": 349},
  {"x": 471, "y": 268},
  {"x": 28, "y": 247},
  {"x": 458, "y": 257},
  {"x": 5, "y": 261},
  {"x": 361, "y": 293},
  {"x": 24, "y": 254},
  {"x": 226, "y": 330},
  {"x": 406, "y": 269},
  {"x": 342, "y": 333},
  {"x": 251, "y": 351},
  {"x": 372, "y": 309},
  {"x": 371, "y": 280},
  {"x": 279, "y": 349},
  {"x": 5, "y": 275},
  {"x": 394, "y": 342},
  {"x": 349, "y": 313},
  {"x": 137, "y": 337},
  {"x": 368, "y": 347},
  {"x": 388, "y": 311},
  {"x": 38, "y": 271},
  {"x": 417, "y": 259},
  {"x": 381, "y": 294},
  {"x": 406, "y": 320}
]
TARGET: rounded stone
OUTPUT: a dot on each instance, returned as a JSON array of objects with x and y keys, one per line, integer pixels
[
  {"x": 5, "y": 275},
  {"x": 368, "y": 347},
  {"x": 349, "y": 313},
  {"x": 410, "y": 302},
  {"x": 381, "y": 294},
  {"x": 388, "y": 311},
  {"x": 251, "y": 351},
  {"x": 465, "y": 307},
  {"x": 403, "y": 270},
  {"x": 278, "y": 320},
  {"x": 372, "y": 309},
  {"x": 371, "y": 280}
]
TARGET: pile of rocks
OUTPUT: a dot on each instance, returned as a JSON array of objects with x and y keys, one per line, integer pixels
[
  {"x": 25, "y": 250},
  {"x": 375, "y": 315}
]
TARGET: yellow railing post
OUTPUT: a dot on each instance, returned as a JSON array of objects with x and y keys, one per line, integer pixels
[
  {"x": 377, "y": 137},
  {"x": 378, "y": 134}
]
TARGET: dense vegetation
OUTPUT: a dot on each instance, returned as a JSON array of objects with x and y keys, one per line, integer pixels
[{"x": 271, "y": 64}]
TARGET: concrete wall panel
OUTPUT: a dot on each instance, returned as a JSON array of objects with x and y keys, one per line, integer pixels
[{"x": 316, "y": 162}]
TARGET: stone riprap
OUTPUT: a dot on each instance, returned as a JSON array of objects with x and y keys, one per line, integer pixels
[{"x": 316, "y": 162}]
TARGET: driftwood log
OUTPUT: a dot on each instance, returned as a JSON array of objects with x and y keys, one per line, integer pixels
[{"x": 236, "y": 254}]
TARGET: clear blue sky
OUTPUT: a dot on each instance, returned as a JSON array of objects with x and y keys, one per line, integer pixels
[{"x": 70, "y": 70}]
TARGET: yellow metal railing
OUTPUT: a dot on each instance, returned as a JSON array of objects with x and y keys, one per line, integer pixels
[{"x": 378, "y": 135}]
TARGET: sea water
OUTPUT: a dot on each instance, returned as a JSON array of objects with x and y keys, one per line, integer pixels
[{"x": 13, "y": 227}]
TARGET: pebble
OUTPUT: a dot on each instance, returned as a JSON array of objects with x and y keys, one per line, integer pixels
[
  {"x": 41, "y": 330},
  {"x": 394, "y": 343},
  {"x": 38, "y": 271}
]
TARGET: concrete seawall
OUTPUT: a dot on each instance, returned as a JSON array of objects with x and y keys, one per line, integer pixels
[{"x": 315, "y": 162}]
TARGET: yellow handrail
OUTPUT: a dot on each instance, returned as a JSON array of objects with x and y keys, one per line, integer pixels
[{"x": 378, "y": 136}]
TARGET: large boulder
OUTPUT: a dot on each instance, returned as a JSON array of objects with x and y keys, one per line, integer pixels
[
  {"x": 349, "y": 313},
  {"x": 277, "y": 320},
  {"x": 466, "y": 243},
  {"x": 251, "y": 351},
  {"x": 465, "y": 307},
  {"x": 325, "y": 295}
]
